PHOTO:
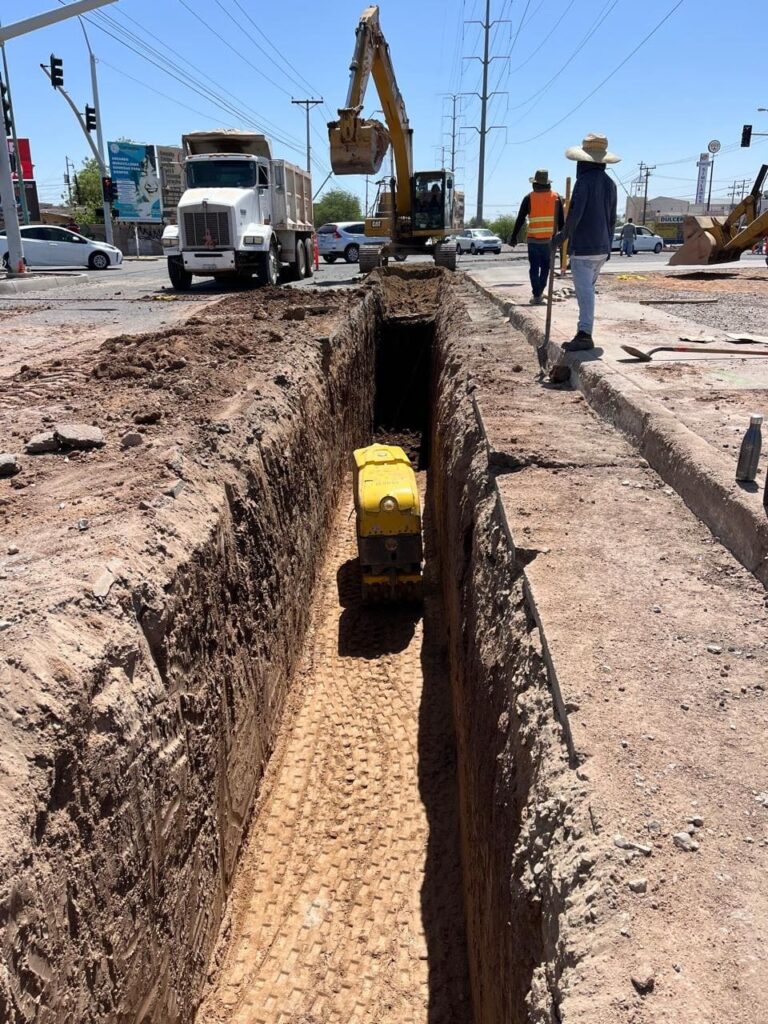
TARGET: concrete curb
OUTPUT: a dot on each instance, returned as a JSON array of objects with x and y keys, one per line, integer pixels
[
  {"x": 701, "y": 476},
  {"x": 34, "y": 283}
]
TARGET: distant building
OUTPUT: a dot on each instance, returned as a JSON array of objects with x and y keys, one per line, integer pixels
[{"x": 665, "y": 214}]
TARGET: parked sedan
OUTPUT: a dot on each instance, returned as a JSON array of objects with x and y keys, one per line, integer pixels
[
  {"x": 478, "y": 240},
  {"x": 47, "y": 246},
  {"x": 343, "y": 240},
  {"x": 645, "y": 241}
]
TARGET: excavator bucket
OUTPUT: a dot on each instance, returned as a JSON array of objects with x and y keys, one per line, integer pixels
[
  {"x": 357, "y": 146},
  {"x": 702, "y": 244}
]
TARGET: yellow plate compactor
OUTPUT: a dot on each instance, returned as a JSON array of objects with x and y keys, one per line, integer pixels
[{"x": 388, "y": 523}]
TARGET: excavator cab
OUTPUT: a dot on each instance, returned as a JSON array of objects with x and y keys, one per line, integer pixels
[{"x": 431, "y": 202}]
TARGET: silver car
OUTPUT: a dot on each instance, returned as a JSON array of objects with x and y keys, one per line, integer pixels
[
  {"x": 477, "y": 240},
  {"x": 343, "y": 240},
  {"x": 645, "y": 240}
]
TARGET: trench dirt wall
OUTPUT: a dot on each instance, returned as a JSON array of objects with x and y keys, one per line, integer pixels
[
  {"x": 520, "y": 801},
  {"x": 161, "y": 714}
]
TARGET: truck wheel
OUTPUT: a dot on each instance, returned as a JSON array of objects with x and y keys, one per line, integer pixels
[
  {"x": 181, "y": 279},
  {"x": 352, "y": 253},
  {"x": 299, "y": 266},
  {"x": 309, "y": 249},
  {"x": 269, "y": 267}
]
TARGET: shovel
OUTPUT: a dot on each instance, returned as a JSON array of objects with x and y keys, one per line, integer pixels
[
  {"x": 645, "y": 357},
  {"x": 541, "y": 351}
]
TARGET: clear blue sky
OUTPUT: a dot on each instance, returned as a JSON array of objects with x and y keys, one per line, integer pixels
[{"x": 696, "y": 79}]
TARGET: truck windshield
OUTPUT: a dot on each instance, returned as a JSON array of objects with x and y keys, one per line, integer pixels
[{"x": 221, "y": 174}]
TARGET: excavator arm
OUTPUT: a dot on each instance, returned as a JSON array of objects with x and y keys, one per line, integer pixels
[{"x": 358, "y": 146}]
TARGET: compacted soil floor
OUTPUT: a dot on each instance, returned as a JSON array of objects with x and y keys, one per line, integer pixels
[{"x": 348, "y": 902}]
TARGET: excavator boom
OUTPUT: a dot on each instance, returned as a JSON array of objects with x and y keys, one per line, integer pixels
[{"x": 358, "y": 146}]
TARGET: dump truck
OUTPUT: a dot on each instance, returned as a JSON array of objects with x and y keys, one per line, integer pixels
[
  {"x": 388, "y": 516},
  {"x": 708, "y": 240},
  {"x": 243, "y": 214},
  {"x": 415, "y": 209}
]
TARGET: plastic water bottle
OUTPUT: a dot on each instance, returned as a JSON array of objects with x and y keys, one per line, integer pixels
[{"x": 749, "y": 455}]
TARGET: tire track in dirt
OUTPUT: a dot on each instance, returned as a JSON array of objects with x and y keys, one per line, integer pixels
[{"x": 347, "y": 904}]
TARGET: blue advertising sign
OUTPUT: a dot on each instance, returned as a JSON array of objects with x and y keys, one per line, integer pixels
[{"x": 133, "y": 167}]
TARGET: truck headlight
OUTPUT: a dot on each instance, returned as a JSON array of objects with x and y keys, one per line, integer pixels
[
  {"x": 388, "y": 504},
  {"x": 169, "y": 243},
  {"x": 253, "y": 239}
]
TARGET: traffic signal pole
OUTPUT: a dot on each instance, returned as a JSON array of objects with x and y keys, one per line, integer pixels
[
  {"x": 10, "y": 214},
  {"x": 19, "y": 168},
  {"x": 108, "y": 232}
]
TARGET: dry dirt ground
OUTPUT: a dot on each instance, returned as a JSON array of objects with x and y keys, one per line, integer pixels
[{"x": 347, "y": 906}]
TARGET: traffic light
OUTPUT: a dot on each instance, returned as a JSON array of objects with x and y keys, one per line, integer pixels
[
  {"x": 57, "y": 71},
  {"x": 109, "y": 190},
  {"x": 6, "y": 103},
  {"x": 90, "y": 119},
  {"x": 746, "y": 136}
]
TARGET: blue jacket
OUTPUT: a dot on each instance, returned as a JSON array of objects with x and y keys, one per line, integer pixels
[{"x": 591, "y": 216}]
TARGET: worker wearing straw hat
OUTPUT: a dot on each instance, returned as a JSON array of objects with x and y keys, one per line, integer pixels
[
  {"x": 544, "y": 210},
  {"x": 589, "y": 229}
]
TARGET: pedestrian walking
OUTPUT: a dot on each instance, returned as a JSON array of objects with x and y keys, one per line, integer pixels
[
  {"x": 628, "y": 236},
  {"x": 544, "y": 210},
  {"x": 589, "y": 229}
]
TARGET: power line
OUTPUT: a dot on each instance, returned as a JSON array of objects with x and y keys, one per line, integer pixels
[
  {"x": 607, "y": 78},
  {"x": 546, "y": 38}
]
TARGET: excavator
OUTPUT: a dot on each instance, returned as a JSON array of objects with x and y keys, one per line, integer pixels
[
  {"x": 708, "y": 240},
  {"x": 414, "y": 209}
]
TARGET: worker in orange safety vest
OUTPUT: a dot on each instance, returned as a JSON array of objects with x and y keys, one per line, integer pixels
[{"x": 544, "y": 210}]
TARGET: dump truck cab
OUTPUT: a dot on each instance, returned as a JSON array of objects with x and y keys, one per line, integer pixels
[{"x": 388, "y": 512}]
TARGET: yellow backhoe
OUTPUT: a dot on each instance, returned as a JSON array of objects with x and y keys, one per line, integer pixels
[
  {"x": 414, "y": 209},
  {"x": 709, "y": 240}
]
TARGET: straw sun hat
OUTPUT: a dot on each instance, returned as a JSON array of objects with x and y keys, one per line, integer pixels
[{"x": 593, "y": 150}]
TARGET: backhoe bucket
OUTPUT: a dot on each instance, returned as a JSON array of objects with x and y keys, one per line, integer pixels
[
  {"x": 357, "y": 146},
  {"x": 701, "y": 244}
]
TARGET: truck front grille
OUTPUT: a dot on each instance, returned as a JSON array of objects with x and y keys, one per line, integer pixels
[{"x": 206, "y": 230}]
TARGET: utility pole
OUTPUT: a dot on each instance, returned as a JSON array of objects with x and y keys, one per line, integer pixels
[
  {"x": 68, "y": 179},
  {"x": 645, "y": 173},
  {"x": 308, "y": 104},
  {"x": 484, "y": 128},
  {"x": 14, "y": 136},
  {"x": 10, "y": 215},
  {"x": 454, "y": 97},
  {"x": 107, "y": 205}
]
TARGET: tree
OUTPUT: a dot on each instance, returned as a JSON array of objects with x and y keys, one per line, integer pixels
[
  {"x": 475, "y": 223},
  {"x": 87, "y": 196},
  {"x": 503, "y": 226},
  {"x": 337, "y": 204}
]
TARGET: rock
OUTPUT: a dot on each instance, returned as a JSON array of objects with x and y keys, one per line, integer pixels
[
  {"x": 131, "y": 440},
  {"x": 685, "y": 706},
  {"x": 148, "y": 416},
  {"x": 12, "y": 549},
  {"x": 295, "y": 313},
  {"x": 638, "y": 884},
  {"x": 175, "y": 489},
  {"x": 103, "y": 584},
  {"x": 5, "y": 624},
  {"x": 175, "y": 461},
  {"x": 560, "y": 374},
  {"x": 83, "y": 524},
  {"x": 657, "y": 609},
  {"x": 82, "y": 436},
  {"x": 714, "y": 649},
  {"x": 696, "y": 821},
  {"x": 684, "y": 841},
  {"x": 762, "y": 798},
  {"x": 144, "y": 505},
  {"x": 9, "y": 465},
  {"x": 643, "y": 980},
  {"x": 42, "y": 443},
  {"x": 630, "y": 844}
]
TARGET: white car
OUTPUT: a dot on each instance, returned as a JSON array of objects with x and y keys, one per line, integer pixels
[
  {"x": 645, "y": 241},
  {"x": 48, "y": 246},
  {"x": 477, "y": 240},
  {"x": 343, "y": 240}
]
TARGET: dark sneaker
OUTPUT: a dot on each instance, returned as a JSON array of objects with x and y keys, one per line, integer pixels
[
  {"x": 582, "y": 342},
  {"x": 536, "y": 300}
]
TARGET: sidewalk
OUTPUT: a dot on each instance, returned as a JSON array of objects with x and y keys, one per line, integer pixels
[{"x": 686, "y": 412}]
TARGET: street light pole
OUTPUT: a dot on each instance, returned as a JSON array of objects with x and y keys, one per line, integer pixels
[
  {"x": 14, "y": 136},
  {"x": 10, "y": 214}
]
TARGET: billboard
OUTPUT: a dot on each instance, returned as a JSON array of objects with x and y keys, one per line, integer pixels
[
  {"x": 701, "y": 181},
  {"x": 133, "y": 168},
  {"x": 23, "y": 156},
  {"x": 171, "y": 168}
]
